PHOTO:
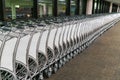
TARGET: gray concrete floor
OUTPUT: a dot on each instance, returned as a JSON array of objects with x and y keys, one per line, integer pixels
[{"x": 101, "y": 61}]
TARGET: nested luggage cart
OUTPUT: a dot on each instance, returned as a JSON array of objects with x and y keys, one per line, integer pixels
[
  {"x": 57, "y": 40},
  {"x": 44, "y": 51},
  {"x": 72, "y": 41},
  {"x": 84, "y": 36},
  {"x": 77, "y": 32},
  {"x": 8, "y": 41},
  {"x": 33, "y": 54},
  {"x": 53, "y": 45},
  {"x": 50, "y": 50},
  {"x": 21, "y": 65},
  {"x": 65, "y": 42},
  {"x": 36, "y": 48}
]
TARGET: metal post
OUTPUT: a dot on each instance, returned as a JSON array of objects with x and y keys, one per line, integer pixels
[
  {"x": 13, "y": 11},
  {"x": 96, "y": 11},
  {"x": 100, "y": 6},
  {"x": 111, "y": 6},
  {"x": 93, "y": 8},
  {"x": 105, "y": 10},
  {"x": 89, "y": 7},
  {"x": 103, "y": 7},
  {"x": 54, "y": 7},
  {"x": 84, "y": 4},
  {"x": 108, "y": 7},
  {"x": 118, "y": 9},
  {"x": 35, "y": 9},
  {"x": 77, "y": 10},
  {"x": 68, "y": 7},
  {"x": 2, "y": 10}
]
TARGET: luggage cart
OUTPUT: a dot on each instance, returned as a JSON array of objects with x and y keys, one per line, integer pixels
[
  {"x": 8, "y": 41},
  {"x": 42, "y": 50},
  {"x": 76, "y": 48},
  {"x": 41, "y": 46},
  {"x": 57, "y": 40},
  {"x": 52, "y": 45},
  {"x": 68, "y": 40},
  {"x": 72, "y": 41},
  {"x": 21, "y": 65},
  {"x": 50, "y": 50},
  {"x": 57, "y": 49},
  {"x": 22, "y": 71},
  {"x": 65, "y": 42}
]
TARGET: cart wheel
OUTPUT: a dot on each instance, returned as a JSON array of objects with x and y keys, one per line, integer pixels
[
  {"x": 48, "y": 72},
  {"x": 41, "y": 76},
  {"x": 75, "y": 52},
  {"x": 38, "y": 77},
  {"x": 60, "y": 64},
  {"x": 68, "y": 57},
  {"x": 84, "y": 45},
  {"x": 28, "y": 78},
  {"x": 78, "y": 51},
  {"x": 55, "y": 67},
  {"x": 64, "y": 60},
  {"x": 71, "y": 55}
]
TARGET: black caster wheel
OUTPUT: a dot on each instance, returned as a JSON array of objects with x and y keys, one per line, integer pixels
[
  {"x": 76, "y": 52},
  {"x": 60, "y": 64},
  {"x": 63, "y": 60},
  {"x": 71, "y": 55},
  {"x": 41, "y": 76},
  {"x": 38, "y": 77},
  {"x": 55, "y": 67},
  {"x": 68, "y": 57},
  {"x": 48, "y": 72},
  {"x": 28, "y": 78}
]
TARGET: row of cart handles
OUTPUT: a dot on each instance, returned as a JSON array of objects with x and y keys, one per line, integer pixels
[{"x": 29, "y": 46}]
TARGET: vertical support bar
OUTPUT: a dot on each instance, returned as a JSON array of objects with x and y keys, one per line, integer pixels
[
  {"x": 68, "y": 7},
  {"x": 84, "y": 4},
  {"x": 40, "y": 10},
  {"x": 118, "y": 9},
  {"x": 77, "y": 10},
  {"x": 13, "y": 11},
  {"x": 35, "y": 9},
  {"x": 100, "y": 11},
  {"x": 44, "y": 9},
  {"x": 89, "y": 7},
  {"x": 97, "y": 5},
  {"x": 2, "y": 10},
  {"x": 111, "y": 6},
  {"x": 54, "y": 7},
  {"x": 93, "y": 8},
  {"x": 108, "y": 7},
  {"x": 103, "y": 9},
  {"x": 113, "y": 9}
]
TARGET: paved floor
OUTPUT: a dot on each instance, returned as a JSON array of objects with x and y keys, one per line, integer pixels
[{"x": 101, "y": 61}]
